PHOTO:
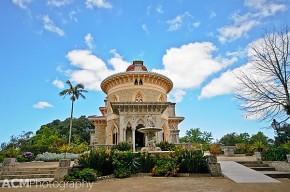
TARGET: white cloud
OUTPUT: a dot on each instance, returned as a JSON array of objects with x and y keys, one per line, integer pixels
[
  {"x": 90, "y": 70},
  {"x": 243, "y": 23},
  {"x": 233, "y": 32},
  {"x": 181, "y": 20},
  {"x": 58, "y": 3},
  {"x": 176, "y": 95},
  {"x": 98, "y": 3},
  {"x": 49, "y": 25},
  {"x": 196, "y": 24},
  {"x": 57, "y": 83},
  {"x": 227, "y": 82},
  {"x": 21, "y": 3},
  {"x": 42, "y": 105},
  {"x": 189, "y": 65},
  {"x": 89, "y": 40},
  {"x": 145, "y": 28}
]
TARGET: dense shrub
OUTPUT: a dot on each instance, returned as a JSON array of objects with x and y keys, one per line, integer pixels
[
  {"x": 37, "y": 149},
  {"x": 11, "y": 152},
  {"x": 99, "y": 160},
  {"x": 73, "y": 148},
  {"x": 85, "y": 174},
  {"x": 215, "y": 149},
  {"x": 165, "y": 146},
  {"x": 147, "y": 162},
  {"x": 165, "y": 166},
  {"x": 1, "y": 158},
  {"x": 191, "y": 161},
  {"x": 123, "y": 146},
  {"x": 125, "y": 163},
  {"x": 243, "y": 148},
  {"x": 275, "y": 154},
  {"x": 25, "y": 157},
  {"x": 55, "y": 156}
]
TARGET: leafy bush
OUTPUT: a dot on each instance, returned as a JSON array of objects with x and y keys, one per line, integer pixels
[
  {"x": 1, "y": 158},
  {"x": 25, "y": 157},
  {"x": 99, "y": 160},
  {"x": 165, "y": 167},
  {"x": 286, "y": 146},
  {"x": 243, "y": 148},
  {"x": 37, "y": 149},
  {"x": 56, "y": 157},
  {"x": 165, "y": 146},
  {"x": 275, "y": 154},
  {"x": 74, "y": 148},
  {"x": 11, "y": 152},
  {"x": 147, "y": 162},
  {"x": 125, "y": 163},
  {"x": 191, "y": 161},
  {"x": 258, "y": 146},
  {"x": 86, "y": 174},
  {"x": 123, "y": 146},
  {"x": 215, "y": 149}
]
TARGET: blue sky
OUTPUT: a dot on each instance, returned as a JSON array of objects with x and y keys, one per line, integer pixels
[{"x": 198, "y": 44}]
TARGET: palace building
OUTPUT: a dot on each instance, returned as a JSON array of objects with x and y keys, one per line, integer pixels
[{"x": 135, "y": 99}]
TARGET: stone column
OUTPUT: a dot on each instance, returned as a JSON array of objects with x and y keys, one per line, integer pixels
[
  {"x": 124, "y": 135},
  {"x": 133, "y": 138}
]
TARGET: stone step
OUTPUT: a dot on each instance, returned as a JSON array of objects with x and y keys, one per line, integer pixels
[
  {"x": 276, "y": 174},
  {"x": 28, "y": 168},
  {"x": 28, "y": 176},
  {"x": 256, "y": 165},
  {"x": 249, "y": 162},
  {"x": 263, "y": 168},
  {"x": 26, "y": 172}
]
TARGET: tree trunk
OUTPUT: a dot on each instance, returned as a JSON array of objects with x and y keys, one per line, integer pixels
[{"x": 70, "y": 123}]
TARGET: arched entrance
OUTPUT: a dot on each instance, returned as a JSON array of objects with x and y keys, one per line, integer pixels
[{"x": 139, "y": 138}]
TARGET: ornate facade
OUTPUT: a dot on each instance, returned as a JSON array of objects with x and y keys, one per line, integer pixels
[{"x": 133, "y": 97}]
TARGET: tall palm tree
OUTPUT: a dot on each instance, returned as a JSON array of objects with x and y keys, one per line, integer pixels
[{"x": 75, "y": 92}]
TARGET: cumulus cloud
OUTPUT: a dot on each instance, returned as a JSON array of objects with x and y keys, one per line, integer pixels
[
  {"x": 181, "y": 20},
  {"x": 189, "y": 65},
  {"x": 23, "y": 4},
  {"x": 227, "y": 82},
  {"x": 176, "y": 95},
  {"x": 243, "y": 23},
  {"x": 57, "y": 83},
  {"x": 90, "y": 70},
  {"x": 98, "y": 3},
  {"x": 58, "y": 3},
  {"x": 89, "y": 40},
  {"x": 49, "y": 25},
  {"x": 42, "y": 105}
]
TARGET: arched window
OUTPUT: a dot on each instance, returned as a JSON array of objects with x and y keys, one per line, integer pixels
[
  {"x": 115, "y": 98},
  {"x": 115, "y": 136},
  {"x": 136, "y": 82},
  {"x": 161, "y": 98},
  {"x": 139, "y": 97},
  {"x": 140, "y": 82}
]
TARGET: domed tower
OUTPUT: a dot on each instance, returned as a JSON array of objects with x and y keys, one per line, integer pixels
[{"x": 132, "y": 98}]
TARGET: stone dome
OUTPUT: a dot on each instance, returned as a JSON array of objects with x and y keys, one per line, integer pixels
[{"x": 137, "y": 66}]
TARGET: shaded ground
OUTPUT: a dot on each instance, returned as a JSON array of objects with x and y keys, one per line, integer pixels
[{"x": 169, "y": 184}]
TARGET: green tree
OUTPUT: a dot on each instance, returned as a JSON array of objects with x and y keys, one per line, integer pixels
[
  {"x": 259, "y": 138},
  {"x": 194, "y": 135},
  {"x": 75, "y": 92},
  {"x": 232, "y": 139}
]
